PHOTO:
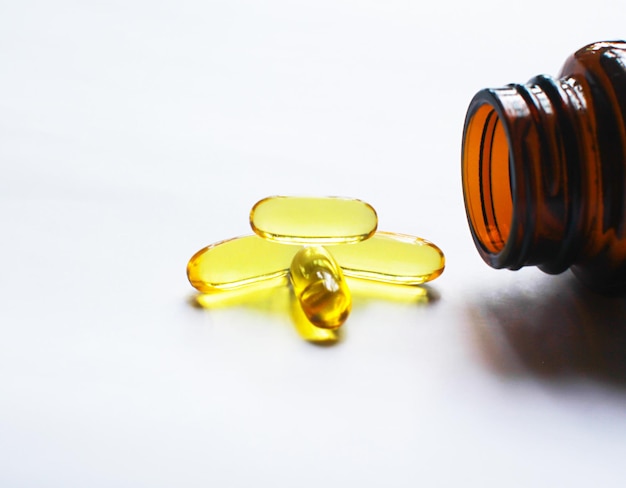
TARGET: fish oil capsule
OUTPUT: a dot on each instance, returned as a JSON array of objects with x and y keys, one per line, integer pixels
[
  {"x": 391, "y": 258},
  {"x": 313, "y": 220},
  {"x": 247, "y": 261},
  {"x": 251, "y": 261},
  {"x": 320, "y": 287}
]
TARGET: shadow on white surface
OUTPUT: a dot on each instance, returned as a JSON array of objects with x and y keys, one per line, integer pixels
[
  {"x": 558, "y": 331},
  {"x": 280, "y": 300}
]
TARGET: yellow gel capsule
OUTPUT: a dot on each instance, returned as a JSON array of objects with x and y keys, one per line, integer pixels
[
  {"x": 391, "y": 258},
  {"x": 247, "y": 261},
  {"x": 313, "y": 220},
  {"x": 250, "y": 261},
  {"x": 320, "y": 287}
]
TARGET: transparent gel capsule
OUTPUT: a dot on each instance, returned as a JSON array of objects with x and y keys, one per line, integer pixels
[
  {"x": 250, "y": 261},
  {"x": 313, "y": 220},
  {"x": 320, "y": 287},
  {"x": 391, "y": 258},
  {"x": 308, "y": 331},
  {"x": 241, "y": 262}
]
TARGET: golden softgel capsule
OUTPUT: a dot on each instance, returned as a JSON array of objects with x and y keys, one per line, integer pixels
[
  {"x": 393, "y": 258},
  {"x": 251, "y": 261},
  {"x": 320, "y": 287},
  {"x": 247, "y": 261},
  {"x": 313, "y": 220}
]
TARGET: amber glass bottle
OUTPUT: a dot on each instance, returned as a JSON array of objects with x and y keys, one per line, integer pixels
[{"x": 544, "y": 169}]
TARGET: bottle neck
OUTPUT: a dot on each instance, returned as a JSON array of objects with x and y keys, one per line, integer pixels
[{"x": 522, "y": 173}]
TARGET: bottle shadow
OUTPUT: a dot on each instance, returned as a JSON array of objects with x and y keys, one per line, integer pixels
[
  {"x": 280, "y": 300},
  {"x": 557, "y": 331}
]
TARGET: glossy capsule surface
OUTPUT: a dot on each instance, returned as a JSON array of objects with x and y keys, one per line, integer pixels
[
  {"x": 320, "y": 287},
  {"x": 391, "y": 258},
  {"x": 250, "y": 261},
  {"x": 247, "y": 261},
  {"x": 313, "y": 220}
]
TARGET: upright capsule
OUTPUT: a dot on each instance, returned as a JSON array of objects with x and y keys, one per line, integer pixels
[
  {"x": 313, "y": 220},
  {"x": 320, "y": 287}
]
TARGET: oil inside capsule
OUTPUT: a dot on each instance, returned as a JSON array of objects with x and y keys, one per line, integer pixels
[
  {"x": 313, "y": 220},
  {"x": 308, "y": 331},
  {"x": 247, "y": 261},
  {"x": 320, "y": 287},
  {"x": 251, "y": 261},
  {"x": 393, "y": 258}
]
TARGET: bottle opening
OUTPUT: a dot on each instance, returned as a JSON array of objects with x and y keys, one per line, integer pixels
[{"x": 487, "y": 179}]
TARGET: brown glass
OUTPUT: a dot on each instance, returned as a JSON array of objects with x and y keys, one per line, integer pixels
[{"x": 544, "y": 169}]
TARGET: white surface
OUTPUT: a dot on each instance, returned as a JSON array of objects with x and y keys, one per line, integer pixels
[{"x": 134, "y": 133}]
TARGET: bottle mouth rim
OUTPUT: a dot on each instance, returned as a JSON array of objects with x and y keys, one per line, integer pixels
[{"x": 489, "y": 180}]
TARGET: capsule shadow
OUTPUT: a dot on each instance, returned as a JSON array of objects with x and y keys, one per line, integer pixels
[
  {"x": 264, "y": 299},
  {"x": 280, "y": 300},
  {"x": 271, "y": 300},
  {"x": 364, "y": 292},
  {"x": 556, "y": 332}
]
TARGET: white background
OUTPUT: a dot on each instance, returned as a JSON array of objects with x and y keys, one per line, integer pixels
[{"x": 134, "y": 133}]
